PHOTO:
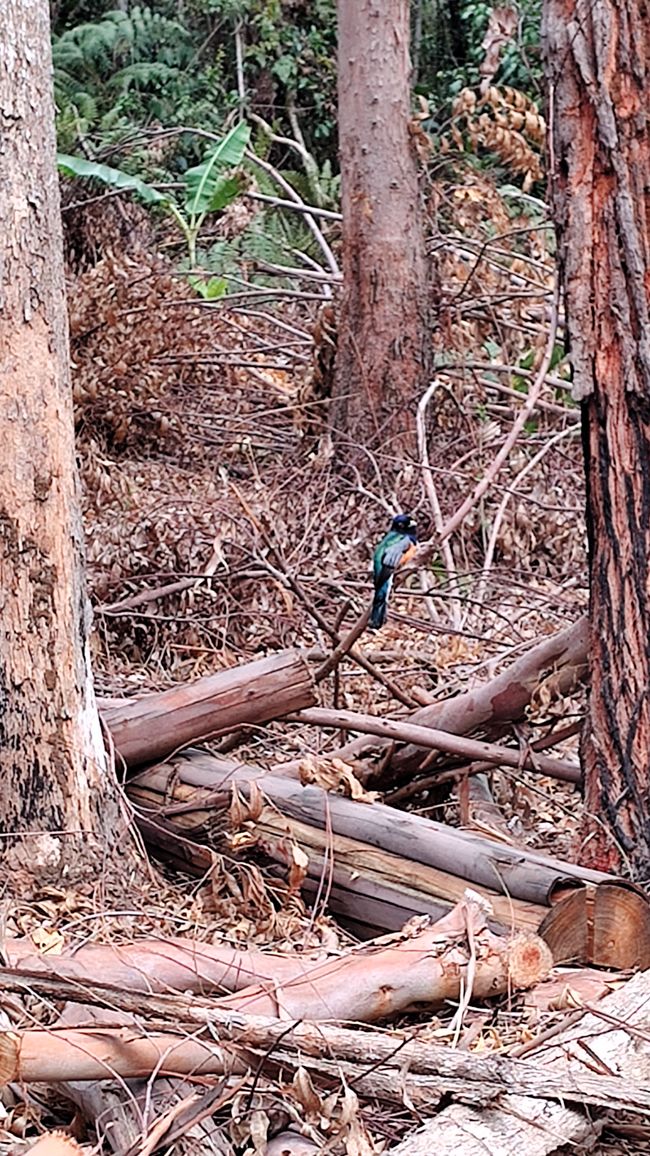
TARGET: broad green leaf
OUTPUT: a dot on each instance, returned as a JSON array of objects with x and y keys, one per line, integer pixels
[
  {"x": 202, "y": 180},
  {"x": 115, "y": 178},
  {"x": 211, "y": 289},
  {"x": 225, "y": 191}
]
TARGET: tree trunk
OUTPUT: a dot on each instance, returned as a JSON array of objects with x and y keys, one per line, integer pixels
[
  {"x": 383, "y": 340},
  {"x": 58, "y": 796},
  {"x": 598, "y": 65}
]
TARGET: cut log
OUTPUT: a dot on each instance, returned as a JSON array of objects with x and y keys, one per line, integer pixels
[
  {"x": 55, "y": 1144},
  {"x": 560, "y": 659},
  {"x": 155, "y": 725},
  {"x": 56, "y": 1055},
  {"x": 419, "y": 967},
  {"x": 387, "y": 883},
  {"x": 370, "y": 888},
  {"x": 124, "y": 1115},
  {"x": 599, "y": 927}
]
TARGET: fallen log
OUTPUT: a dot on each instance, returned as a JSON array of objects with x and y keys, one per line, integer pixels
[
  {"x": 160, "y": 965},
  {"x": 443, "y": 1070},
  {"x": 417, "y": 967},
  {"x": 612, "y": 1036},
  {"x": 369, "y": 888},
  {"x": 191, "y": 798},
  {"x": 169, "y": 1110},
  {"x": 155, "y": 725},
  {"x": 561, "y": 659},
  {"x": 58, "y": 1055},
  {"x": 387, "y": 865}
]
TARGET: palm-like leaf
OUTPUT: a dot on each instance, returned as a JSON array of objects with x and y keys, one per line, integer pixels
[
  {"x": 114, "y": 178},
  {"x": 205, "y": 185}
]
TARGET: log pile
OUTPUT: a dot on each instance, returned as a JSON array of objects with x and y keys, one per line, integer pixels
[
  {"x": 296, "y": 1025},
  {"x": 385, "y": 866},
  {"x": 445, "y": 916},
  {"x": 382, "y": 866}
]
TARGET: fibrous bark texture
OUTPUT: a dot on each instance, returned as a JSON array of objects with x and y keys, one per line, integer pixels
[
  {"x": 383, "y": 329},
  {"x": 57, "y": 795},
  {"x": 597, "y": 56}
]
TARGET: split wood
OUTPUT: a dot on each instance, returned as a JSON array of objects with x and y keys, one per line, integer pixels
[
  {"x": 191, "y": 791},
  {"x": 613, "y": 1036}
]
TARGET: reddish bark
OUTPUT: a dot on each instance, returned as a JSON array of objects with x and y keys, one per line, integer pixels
[
  {"x": 383, "y": 339},
  {"x": 598, "y": 64}
]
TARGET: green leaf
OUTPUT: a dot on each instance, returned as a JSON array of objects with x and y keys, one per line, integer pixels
[
  {"x": 211, "y": 289},
  {"x": 203, "y": 181},
  {"x": 115, "y": 178},
  {"x": 225, "y": 191},
  {"x": 285, "y": 68}
]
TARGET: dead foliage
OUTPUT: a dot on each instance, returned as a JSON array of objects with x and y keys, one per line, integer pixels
[{"x": 202, "y": 457}]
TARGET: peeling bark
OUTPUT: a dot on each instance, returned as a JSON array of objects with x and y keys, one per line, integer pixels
[
  {"x": 56, "y": 784},
  {"x": 597, "y": 56}
]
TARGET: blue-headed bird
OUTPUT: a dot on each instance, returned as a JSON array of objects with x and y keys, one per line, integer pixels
[{"x": 394, "y": 550}]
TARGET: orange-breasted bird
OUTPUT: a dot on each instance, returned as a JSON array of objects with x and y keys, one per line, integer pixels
[{"x": 394, "y": 550}]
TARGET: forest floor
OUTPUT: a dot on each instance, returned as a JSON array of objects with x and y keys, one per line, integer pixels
[{"x": 203, "y": 452}]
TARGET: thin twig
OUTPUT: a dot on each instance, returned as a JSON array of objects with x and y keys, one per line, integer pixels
[
  {"x": 491, "y": 546},
  {"x": 452, "y": 523}
]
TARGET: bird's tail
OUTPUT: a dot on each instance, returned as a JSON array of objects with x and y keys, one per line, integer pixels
[{"x": 380, "y": 606}]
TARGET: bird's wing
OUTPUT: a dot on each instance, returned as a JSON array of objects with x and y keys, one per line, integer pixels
[{"x": 390, "y": 557}]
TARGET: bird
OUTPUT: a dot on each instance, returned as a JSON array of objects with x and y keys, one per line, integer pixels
[{"x": 395, "y": 549}]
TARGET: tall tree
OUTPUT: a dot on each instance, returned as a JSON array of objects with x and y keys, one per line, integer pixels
[
  {"x": 384, "y": 337},
  {"x": 60, "y": 805},
  {"x": 597, "y": 60}
]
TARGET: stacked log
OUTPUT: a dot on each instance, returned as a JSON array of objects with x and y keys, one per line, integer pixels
[{"x": 379, "y": 866}]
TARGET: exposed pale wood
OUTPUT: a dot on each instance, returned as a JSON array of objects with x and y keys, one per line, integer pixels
[
  {"x": 520, "y": 1127},
  {"x": 360, "y": 872},
  {"x": 55, "y": 1144},
  {"x": 155, "y": 725},
  {"x": 418, "y": 967},
  {"x": 57, "y": 1055},
  {"x": 516, "y": 871},
  {"x": 161, "y": 965},
  {"x": 124, "y": 1114},
  {"x": 612, "y": 1038},
  {"x": 385, "y": 865},
  {"x": 608, "y": 927},
  {"x": 518, "y": 874},
  {"x": 471, "y": 1077}
]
